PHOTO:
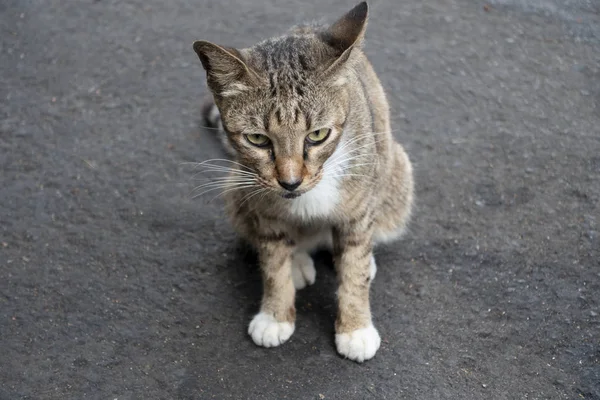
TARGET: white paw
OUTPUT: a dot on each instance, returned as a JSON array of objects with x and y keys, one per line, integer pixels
[
  {"x": 267, "y": 332},
  {"x": 303, "y": 270},
  {"x": 373, "y": 270},
  {"x": 359, "y": 345}
]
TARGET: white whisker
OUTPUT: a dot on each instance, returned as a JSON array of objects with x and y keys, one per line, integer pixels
[
  {"x": 234, "y": 179},
  {"x": 359, "y": 137},
  {"x": 232, "y": 173},
  {"x": 264, "y": 194},
  {"x": 345, "y": 160},
  {"x": 227, "y": 174},
  {"x": 219, "y": 187},
  {"x": 210, "y": 127},
  {"x": 229, "y": 190},
  {"x": 227, "y": 182},
  {"x": 368, "y": 177},
  {"x": 224, "y": 184},
  {"x": 208, "y": 167},
  {"x": 250, "y": 194},
  {"x": 224, "y": 160},
  {"x": 254, "y": 193},
  {"x": 357, "y": 165},
  {"x": 364, "y": 144},
  {"x": 342, "y": 175},
  {"x": 347, "y": 153}
]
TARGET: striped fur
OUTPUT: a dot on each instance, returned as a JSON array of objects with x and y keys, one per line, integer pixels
[{"x": 355, "y": 187}]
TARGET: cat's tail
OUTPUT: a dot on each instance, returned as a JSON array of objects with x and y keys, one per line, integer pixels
[{"x": 212, "y": 121}]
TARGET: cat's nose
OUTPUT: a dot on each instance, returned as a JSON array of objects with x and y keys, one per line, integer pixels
[{"x": 291, "y": 186}]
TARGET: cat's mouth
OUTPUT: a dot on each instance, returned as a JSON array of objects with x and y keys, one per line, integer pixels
[{"x": 291, "y": 195}]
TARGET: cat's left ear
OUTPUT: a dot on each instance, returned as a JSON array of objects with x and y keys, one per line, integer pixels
[
  {"x": 226, "y": 72},
  {"x": 347, "y": 33}
]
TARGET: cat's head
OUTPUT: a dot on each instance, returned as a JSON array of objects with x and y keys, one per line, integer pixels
[{"x": 284, "y": 101}]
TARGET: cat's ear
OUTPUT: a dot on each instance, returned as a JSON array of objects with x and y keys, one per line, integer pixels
[
  {"x": 226, "y": 72},
  {"x": 347, "y": 33}
]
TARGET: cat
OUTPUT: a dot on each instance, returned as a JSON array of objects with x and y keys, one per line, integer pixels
[{"x": 307, "y": 121}]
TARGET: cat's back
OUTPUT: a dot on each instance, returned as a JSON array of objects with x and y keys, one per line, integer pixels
[{"x": 374, "y": 92}]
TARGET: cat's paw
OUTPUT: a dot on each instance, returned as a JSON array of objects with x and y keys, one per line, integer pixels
[
  {"x": 359, "y": 345},
  {"x": 303, "y": 270},
  {"x": 266, "y": 331}
]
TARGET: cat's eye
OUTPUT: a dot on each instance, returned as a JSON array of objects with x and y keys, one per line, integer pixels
[
  {"x": 319, "y": 136},
  {"x": 258, "y": 140}
]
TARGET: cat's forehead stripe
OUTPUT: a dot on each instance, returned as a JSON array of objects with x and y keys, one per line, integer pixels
[{"x": 285, "y": 115}]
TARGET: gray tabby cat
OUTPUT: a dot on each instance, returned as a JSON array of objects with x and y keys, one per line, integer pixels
[{"x": 307, "y": 121}]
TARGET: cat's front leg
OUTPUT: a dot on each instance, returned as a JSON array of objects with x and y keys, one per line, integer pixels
[
  {"x": 355, "y": 336},
  {"x": 275, "y": 322}
]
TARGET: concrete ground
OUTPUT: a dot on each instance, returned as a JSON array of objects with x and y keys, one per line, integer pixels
[{"x": 116, "y": 284}]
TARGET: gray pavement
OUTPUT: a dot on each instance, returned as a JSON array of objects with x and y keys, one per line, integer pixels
[{"x": 116, "y": 284}]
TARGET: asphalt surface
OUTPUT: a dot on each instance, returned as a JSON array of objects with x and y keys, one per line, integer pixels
[{"x": 117, "y": 284}]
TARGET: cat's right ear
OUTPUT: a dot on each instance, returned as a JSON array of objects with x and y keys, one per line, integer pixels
[{"x": 226, "y": 72}]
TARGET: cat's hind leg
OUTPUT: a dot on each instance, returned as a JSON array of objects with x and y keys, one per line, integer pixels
[
  {"x": 303, "y": 267},
  {"x": 303, "y": 270}
]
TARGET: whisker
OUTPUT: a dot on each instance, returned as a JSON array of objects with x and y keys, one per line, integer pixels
[
  {"x": 365, "y": 134},
  {"x": 339, "y": 162},
  {"x": 250, "y": 194},
  {"x": 204, "y": 190},
  {"x": 210, "y": 128},
  {"x": 264, "y": 194},
  {"x": 254, "y": 193},
  {"x": 228, "y": 177},
  {"x": 334, "y": 159},
  {"x": 213, "y": 164},
  {"x": 223, "y": 183},
  {"x": 224, "y": 160},
  {"x": 231, "y": 177},
  {"x": 226, "y": 169},
  {"x": 363, "y": 175},
  {"x": 357, "y": 165},
  {"x": 225, "y": 179},
  {"x": 218, "y": 187},
  {"x": 229, "y": 190},
  {"x": 356, "y": 175},
  {"x": 359, "y": 137},
  {"x": 231, "y": 172},
  {"x": 377, "y": 140}
]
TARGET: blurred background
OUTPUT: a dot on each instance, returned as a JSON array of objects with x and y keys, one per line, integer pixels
[{"x": 116, "y": 283}]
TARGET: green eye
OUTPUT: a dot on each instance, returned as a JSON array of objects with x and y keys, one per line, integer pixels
[
  {"x": 319, "y": 136},
  {"x": 258, "y": 140}
]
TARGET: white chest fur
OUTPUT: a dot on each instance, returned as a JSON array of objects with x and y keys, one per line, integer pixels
[
  {"x": 319, "y": 202},
  {"x": 322, "y": 200}
]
